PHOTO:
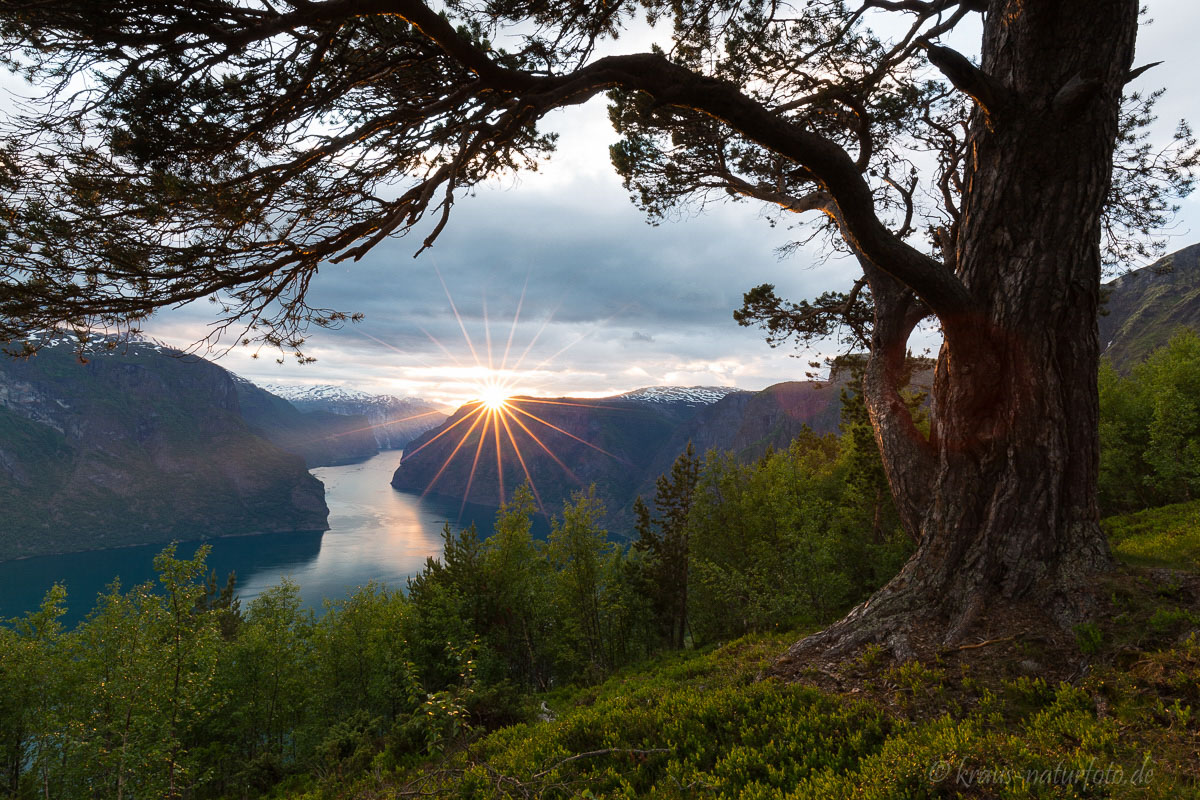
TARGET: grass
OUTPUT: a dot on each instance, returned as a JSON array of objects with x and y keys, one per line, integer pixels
[
  {"x": 702, "y": 724},
  {"x": 1158, "y": 537}
]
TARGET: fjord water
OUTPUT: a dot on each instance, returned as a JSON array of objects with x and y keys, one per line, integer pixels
[{"x": 376, "y": 534}]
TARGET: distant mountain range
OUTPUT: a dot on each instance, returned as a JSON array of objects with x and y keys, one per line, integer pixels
[
  {"x": 685, "y": 395},
  {"x": 393, "y": 421},
  {"x": 621, "y": 443},
  {"x": 1144, "y": 308}
]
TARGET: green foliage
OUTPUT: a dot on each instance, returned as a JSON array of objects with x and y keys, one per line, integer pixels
[
  {"x": 700, "y": 725},
  {"x": 795, "y": 538},
  {"x": 1150, "y": 429},
  {"x": 764, "y": 552},
  {"x": 159, "y": 694},
  {"x": 1088, "y": 637},
  {"x": 664, "y": 539},
  {"x": 1162, "y": 537}
]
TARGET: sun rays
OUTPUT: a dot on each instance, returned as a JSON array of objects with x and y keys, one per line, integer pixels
[{"x": 501, "y": 423}]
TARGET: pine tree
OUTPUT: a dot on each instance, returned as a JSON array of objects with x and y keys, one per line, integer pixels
[{"x": 664, "y": 537}]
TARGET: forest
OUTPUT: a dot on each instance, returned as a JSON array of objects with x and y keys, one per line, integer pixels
[{"x": 176, "y": 688}]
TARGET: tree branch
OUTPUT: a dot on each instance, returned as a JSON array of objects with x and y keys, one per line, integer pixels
[
  {"x": 985, "y": 90},
  {"x": 1136, "y": 73},
  {"x": 908, "y": 457},
  {"x": 671, "y": 84}
]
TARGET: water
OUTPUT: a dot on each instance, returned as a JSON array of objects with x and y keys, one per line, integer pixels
[{"x": 376, "y": 534}]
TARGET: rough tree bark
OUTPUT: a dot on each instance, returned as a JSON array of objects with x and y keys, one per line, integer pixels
[{"x": 1003, "y": 493}]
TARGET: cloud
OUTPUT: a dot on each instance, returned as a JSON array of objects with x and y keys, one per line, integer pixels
[{"x": 607, "y": 302}]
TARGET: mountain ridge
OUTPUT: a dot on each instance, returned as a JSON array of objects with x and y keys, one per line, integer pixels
[
  {"x": 392, "y": 421},
  {"x": 622, "y": 443},
  {"x": 1143, "y": 308}
]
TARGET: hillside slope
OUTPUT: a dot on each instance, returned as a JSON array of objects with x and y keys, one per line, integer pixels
[
  {"x": 139, "y": 445},
  {"x": 1147, "y": 306}
]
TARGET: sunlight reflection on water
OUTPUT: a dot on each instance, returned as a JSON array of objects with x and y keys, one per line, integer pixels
[{"x": 376, "y": 534}]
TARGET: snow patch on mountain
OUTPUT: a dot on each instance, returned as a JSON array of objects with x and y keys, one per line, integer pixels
[
  {"x": 395, "y": 421},
  {"x": 326, "y": 393},
  {"x": 112, "y": 345},
  {"x": 687, "y": 395}
]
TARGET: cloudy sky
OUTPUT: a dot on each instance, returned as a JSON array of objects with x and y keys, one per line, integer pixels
[{"x": 610, "y": 302}]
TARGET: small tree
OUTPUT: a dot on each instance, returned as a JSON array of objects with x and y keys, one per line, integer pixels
[
  {"x": 1150, "y": 428},
  {"x": 521, "y": 615},
  {"x": 664, "y": 538},
  {"x": 578, "y": 551}
]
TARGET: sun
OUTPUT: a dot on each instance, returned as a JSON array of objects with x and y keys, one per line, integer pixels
[
  {"x": 499, "y": 409},
  {"x": 493, "y": 397}
]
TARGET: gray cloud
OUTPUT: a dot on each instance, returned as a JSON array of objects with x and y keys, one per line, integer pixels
[{"x": 618, "y": 303}]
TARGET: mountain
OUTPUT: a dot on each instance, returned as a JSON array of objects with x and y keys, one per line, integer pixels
[
  {"x": 748, "y": 423},
  {"x": 686, "y": 395},
  {"x": 141, "y": 444},
  {"x": 1145, "y": 307},
  {"x": 621, "y": 443},
  {"x": 394, "y": 421},
  {"x": 574, "y": 443},
  {"x": 321, "y": 438}
]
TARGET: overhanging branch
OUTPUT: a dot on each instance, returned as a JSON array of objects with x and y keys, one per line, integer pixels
[{"x": 671, "y": 84}]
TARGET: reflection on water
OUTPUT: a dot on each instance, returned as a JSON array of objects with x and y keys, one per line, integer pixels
[{"x": 376, "y": 534}]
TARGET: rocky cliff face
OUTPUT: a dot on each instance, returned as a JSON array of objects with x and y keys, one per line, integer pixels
[
  {"x": 139, "y": 445},
  {"x": 1147, "y": 306}
]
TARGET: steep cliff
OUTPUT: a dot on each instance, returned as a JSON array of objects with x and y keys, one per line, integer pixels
[
  {"x": 138, "y": 445},
  {"x": 1144, "y": 308}
]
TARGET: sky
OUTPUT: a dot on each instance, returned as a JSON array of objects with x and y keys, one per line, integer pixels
[{"x": 608, "y": 303}]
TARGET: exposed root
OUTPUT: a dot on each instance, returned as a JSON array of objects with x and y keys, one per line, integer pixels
[
  {"x": 985, "y": 643},
  {"x": 917, "y": 625}
]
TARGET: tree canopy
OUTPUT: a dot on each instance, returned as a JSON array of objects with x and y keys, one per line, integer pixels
[{"x": 227, "y": 149}]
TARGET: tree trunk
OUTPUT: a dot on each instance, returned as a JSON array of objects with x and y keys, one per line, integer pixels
[{"x": 1007, "y": 512}]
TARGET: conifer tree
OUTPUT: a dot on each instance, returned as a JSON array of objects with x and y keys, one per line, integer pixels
[{"x": 664, "y": 537}]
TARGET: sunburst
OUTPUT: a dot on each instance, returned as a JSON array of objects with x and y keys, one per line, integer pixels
[
  {"x": 500, "y": 407},
  {"x": 493, "y": 396}
]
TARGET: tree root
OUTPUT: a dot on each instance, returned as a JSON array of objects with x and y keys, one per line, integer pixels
[{"x": 911, "y": 624}]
